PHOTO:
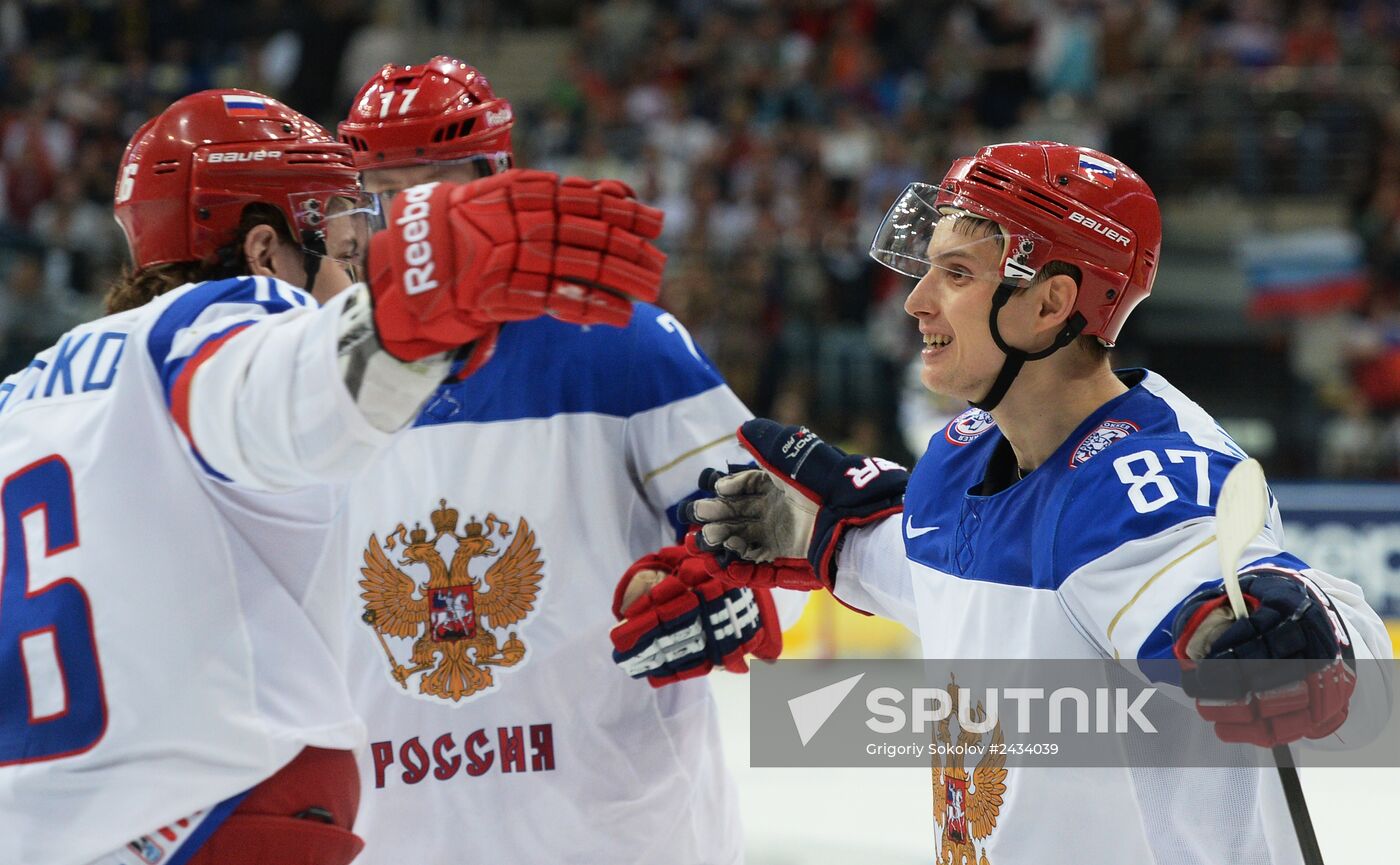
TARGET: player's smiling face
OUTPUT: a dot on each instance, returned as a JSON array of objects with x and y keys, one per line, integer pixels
[{"x": 952, "y": 303}]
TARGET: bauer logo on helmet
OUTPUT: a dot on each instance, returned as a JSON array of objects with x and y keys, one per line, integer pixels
[
  {"x": 245, "y": 156},
  {"x": 1090, "y": 222}
]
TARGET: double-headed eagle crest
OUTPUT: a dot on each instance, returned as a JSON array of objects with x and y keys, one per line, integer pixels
[
  {"x": 451, "y": 616},
  {"x": 966, "y": 804}
]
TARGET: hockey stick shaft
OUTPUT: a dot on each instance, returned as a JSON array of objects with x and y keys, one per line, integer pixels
[{"x": 1240, "y": 515}]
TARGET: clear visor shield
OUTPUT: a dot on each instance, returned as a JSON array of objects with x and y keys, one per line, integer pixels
[
  {"x": 917, "y": 237},
  {"x": 336, "y": 225},
  {"x": 463, "y": 170}
]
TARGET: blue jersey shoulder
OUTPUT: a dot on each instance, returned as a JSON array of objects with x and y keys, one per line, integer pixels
[
  {"x": 545, "y": 367},
  {"x": 1139, "y": 487},
  {"x": 269, "y": 295}
]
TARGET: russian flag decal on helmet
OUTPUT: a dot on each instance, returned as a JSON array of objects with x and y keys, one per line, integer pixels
[
  {"x": 238, "y": 105},
  {"x": 1097, "y": 169}
]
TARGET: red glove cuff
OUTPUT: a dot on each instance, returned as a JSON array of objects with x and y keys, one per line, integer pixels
[
  {"x": 787, "y": 573},
  {"x": 1310, "y": 709}
]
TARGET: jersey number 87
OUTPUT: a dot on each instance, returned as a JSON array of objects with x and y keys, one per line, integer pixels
[
  {"x": 51, "y": 699},
  {"x": 1149, "y": 489}
]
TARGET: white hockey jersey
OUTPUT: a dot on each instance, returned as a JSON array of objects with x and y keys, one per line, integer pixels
[
  {"x": 1089, "y": 556},
  {"x": 485, "y": 547},
  {"x": 155, "y": 653}
]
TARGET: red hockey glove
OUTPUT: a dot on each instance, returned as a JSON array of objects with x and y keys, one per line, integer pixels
[
  {"x": 793, "y": 573},
  {"x": 680, "y": 622},
  {"x": 1297, "y": 677},
  {"x": 457, "y": 260},
  {"x": 799, "y": 504}
]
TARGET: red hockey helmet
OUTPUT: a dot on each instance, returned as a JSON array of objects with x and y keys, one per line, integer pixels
[
  {"x": 1054, "y": 202},
  {"x": 188, "y": 173},
  {"x": 439, "y": 111}
]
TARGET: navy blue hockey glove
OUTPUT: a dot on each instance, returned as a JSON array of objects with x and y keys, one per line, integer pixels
[
  {"x": 798, "y": 505},
  {"x": 678, "y": 621},
  {"x": 1266, "y": 704}
]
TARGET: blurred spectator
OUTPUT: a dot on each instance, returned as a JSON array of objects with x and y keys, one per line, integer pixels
[
  {"x": 30, "y": 321},
  {"x": 78, "y": 231},
  {"x": 37, "y": 147}
]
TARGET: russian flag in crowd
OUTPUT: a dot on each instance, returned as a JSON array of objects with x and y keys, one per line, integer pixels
[
  {"x": 1378, "y": 373},
  {"x": 1303, "y": 272},
  {"x": 244, "y": 106}
]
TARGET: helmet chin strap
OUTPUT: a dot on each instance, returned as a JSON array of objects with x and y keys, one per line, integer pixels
[
  {"x": 1015, "y": 357},
  {"x": 313, "y": 248}
]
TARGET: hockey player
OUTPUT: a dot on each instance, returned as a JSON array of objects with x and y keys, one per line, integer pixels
[
  {"x": 1068, "y": 514},
  {"x": 171, "y": 692},
  {"x": 525, "y": 494}
]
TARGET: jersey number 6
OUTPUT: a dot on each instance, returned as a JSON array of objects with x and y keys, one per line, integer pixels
[{"x": 52, "y": 705}]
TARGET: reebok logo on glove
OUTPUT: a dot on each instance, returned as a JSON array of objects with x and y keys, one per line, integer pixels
[
  {"x": 869, "y": 470},
  {"x": 797, "y": 441},
  {"x": 417, "y": 251},
  {"x": 457, "y": 260}
]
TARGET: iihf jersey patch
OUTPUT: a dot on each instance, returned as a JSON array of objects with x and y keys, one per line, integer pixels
[
  {"x": 1101, "y": 437},
  {"x": 968, "y": 426}
]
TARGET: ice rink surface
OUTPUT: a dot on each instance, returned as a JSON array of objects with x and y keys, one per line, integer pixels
[{"x": 831, "y": 816}]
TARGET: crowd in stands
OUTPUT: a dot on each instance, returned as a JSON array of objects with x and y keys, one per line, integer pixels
[{"x": 774, "y": 133}]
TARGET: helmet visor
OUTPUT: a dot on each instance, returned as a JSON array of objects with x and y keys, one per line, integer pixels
[
  {"x": 919, "y": 234},
  {"x": 336, "y": 225},
  {"x": 461, "y": 170}
]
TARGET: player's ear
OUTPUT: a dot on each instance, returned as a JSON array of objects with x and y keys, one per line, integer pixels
[
  {"x": 260, "y": 250},
  {"x": 1056, "y": 300}
]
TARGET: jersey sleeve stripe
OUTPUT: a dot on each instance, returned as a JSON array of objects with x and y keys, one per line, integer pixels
[
  {"x": 726, "y": 438},
  {"x": 192, "y": 328},
  {"x": 178, "y": 387},
  {"x": 1159, "y": 641},
  {"x": 1113, "y": 624},
  {"x": 205, "y": 304}
]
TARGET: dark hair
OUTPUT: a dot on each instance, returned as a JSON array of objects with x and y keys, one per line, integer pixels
[{"x": 138, "y": 287}]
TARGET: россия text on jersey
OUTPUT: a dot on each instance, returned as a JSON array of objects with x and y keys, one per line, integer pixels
[{"x": 475, "y": 756}]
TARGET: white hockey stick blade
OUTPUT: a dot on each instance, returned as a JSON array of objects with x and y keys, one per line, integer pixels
[{"x": 1240, "y": 515}]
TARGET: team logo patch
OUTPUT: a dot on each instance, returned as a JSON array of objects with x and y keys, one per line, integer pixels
[
  {"x": 968, "y": 426},
  {"x": 1097, "y": 169},
  {"x": 147, "y": 849},
  {"x": 1100, "y": 438},
  {"x": 451, "y": 619},
  {"x": 498, "y": 118},
  {"x": 967, "y": 800}
]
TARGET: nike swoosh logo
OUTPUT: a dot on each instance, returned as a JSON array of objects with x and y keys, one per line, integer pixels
[{"x": 910, "y": 532}]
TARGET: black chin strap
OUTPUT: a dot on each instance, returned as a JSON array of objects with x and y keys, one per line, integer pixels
[
  {"x": 313, "y": 248},
  {"x": 1015, "y": 358}
]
